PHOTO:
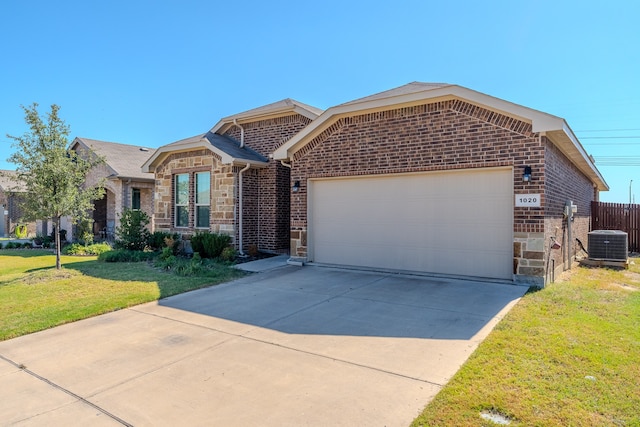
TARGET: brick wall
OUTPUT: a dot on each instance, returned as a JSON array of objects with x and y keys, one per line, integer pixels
[
  {"x": 563, "y": 181},
  {"x": 436, "y": 136},
  {"x": 267, "y": 222}
]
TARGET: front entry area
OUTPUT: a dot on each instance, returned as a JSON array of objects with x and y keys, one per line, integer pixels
[{"x": 446, "y": 222}]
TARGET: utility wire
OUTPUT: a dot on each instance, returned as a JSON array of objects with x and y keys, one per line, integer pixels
[
  {"x": 610, "y": 137},
  {"x": 607, "y": 130}
]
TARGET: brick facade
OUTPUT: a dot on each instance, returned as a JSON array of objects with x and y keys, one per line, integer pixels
[
  {"x": 265, "y": 201},
  {"x": 444, "y": 135},
  {"x": 269, "y": 193},
  {"x": 563, "y": 181}
]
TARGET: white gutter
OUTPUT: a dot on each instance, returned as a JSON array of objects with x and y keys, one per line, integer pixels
[
  {"x": 240, "y": 206},
  {"x": 235, "y": 122}
]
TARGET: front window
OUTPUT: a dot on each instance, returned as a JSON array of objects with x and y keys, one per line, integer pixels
[
  {"x": 135, "y": 199},
  {"x": 203, "y": 199},
  {"x": 182, "y": 200}
]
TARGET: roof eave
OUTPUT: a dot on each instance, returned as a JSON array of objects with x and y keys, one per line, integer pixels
[
  {"x": 568, "y": 143},
  {"x": 241, "y": 118},
  {"x": 163, "y": 152}
]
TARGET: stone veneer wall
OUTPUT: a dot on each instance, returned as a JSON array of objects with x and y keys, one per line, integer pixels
[
  {"x": 443, "y": 135},
  {"x": 223, "y": 188}
]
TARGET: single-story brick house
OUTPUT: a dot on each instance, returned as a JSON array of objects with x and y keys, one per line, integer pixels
[
  {"x": 126, "y": 186},
  {"x": 433, "y": 178},
  {"x": 225, "y": 180},
  {"x": 442, "y": 179}
]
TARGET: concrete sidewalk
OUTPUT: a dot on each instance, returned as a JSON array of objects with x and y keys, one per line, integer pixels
[{"x": 290, "y": 346}]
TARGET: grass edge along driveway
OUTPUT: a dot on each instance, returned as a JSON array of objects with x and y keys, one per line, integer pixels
[
  {"x": 34, "y": 296},
  {"x": 567, "y": 355}
]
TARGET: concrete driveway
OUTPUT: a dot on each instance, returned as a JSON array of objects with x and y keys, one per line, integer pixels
[{"x": 289, "y": 347}]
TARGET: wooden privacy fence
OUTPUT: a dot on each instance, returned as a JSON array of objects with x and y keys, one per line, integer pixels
[{"x": 618, "y": 216}]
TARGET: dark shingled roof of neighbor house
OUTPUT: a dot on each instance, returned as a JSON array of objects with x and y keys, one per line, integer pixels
[{"x": 125, "y": 160}]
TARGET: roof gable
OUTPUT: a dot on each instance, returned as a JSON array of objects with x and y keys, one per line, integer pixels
[
  {"x": 226, "y": 148},
  {"x": 285, "y": 107},
  {"x": 417, "y": 93}
]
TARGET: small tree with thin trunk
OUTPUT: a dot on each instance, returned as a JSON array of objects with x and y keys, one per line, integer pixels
[{"x": 52, "y": 174}]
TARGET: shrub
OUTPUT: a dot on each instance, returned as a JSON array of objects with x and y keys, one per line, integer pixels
[
  {"x": 84, "y": 232},
  {"x": 124, "y": 255},
  {"x": 11, "y": 245},
  {"x": 27, "y": 245},
  {"x": 158, "y": 240},
  {"x": 210, "y": 245},
  {"x": 132, "y": 232},
  {"x": 78, "y": 249},
  {"x": 229, "y": 254},
  {"x": 195, "y": 266}
]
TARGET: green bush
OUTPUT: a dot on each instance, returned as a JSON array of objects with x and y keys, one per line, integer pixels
[
  {"x": 84, "y": 232},
  {"x": 132, "y": 233},
  {"x": 185, "y": 267},
  {"x": 229, "y": 254},
  {"x": 78, "y": 249},
  {"x": 158, "y": 240},
  {"x": 27, "y": 245},
  {"x": 11, "y": 245},
  {"x": 210, "y": 245},
  {"x": 124, "y": 255}
]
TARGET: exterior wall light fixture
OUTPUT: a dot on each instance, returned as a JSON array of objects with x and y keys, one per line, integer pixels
[
  {"x": 296, "y": 186},
  {"x": 526, "y": 176}
]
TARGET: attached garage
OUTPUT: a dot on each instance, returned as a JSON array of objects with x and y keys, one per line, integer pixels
[
  {"x": 438, "y": 178},
  {"x": 452, "y": 222}
]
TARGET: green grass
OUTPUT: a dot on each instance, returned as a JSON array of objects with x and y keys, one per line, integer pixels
[
  {"x": 568, "y": 355},
  {"x": 34, "y": 296}
]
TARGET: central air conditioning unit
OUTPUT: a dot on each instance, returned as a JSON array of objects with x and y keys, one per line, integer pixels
[{"x": 609, "y": 245}]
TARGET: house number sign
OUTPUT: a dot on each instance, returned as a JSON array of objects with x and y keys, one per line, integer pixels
[{"x": 527, "y": 200}]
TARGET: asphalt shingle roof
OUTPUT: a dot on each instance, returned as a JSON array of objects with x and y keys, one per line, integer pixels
[
  {"x": 401, "y": 90},
  {"x": 6, "y": 183},
  {"x": 126, "y": 160},
  {"x": 223, "y": 143}
]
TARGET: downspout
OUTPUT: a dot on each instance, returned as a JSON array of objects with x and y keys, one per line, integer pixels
[
  {"x": 240, "y": 206},
  {"x": 235, "y": 122}
]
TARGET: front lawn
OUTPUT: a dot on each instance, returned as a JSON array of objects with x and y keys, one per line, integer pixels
[
  {"x": 34, "y": 296},
  {"x": 568, "y": 355}
]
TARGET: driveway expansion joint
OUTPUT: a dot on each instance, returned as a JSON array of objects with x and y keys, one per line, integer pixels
[{"x": 79, "y": 398}]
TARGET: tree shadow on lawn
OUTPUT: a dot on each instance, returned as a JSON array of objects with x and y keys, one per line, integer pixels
[{"x": 168, "y": 283}]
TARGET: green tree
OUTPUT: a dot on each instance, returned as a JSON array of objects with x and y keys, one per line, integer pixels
[{"x": 52, "y": 174}]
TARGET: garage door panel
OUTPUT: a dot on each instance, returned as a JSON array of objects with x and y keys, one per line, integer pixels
[{"x": 448, "y": 222}]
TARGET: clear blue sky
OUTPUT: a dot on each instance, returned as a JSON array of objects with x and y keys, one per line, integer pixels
[{"x": 152, "y": 72}]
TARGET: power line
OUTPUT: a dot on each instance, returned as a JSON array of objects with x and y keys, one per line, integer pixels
[
  {"x": 610, "y": 137},
  {"x": 608, "y": 130},
  {"x": 617, "y": 160}
]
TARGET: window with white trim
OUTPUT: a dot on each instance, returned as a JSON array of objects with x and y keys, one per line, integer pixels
[
  {"x": 181, "y": 192},
  {"x": 202, "y": 199}
]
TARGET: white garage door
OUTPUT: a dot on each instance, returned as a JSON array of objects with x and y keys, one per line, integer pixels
[{"x": 454, "y": 222}]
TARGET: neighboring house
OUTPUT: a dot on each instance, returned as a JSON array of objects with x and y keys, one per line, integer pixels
[
  {"x": 226, "y": 181},
  {"x": 432, "y": 178},
  {"x": 442, "y": 179},
  {"x": 11, "y": 214},
  {"x": 126, "y": 185}
]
